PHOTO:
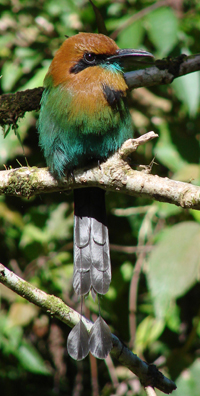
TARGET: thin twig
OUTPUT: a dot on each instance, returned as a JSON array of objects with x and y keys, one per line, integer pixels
[
  {"x": 94, "y": 375},
  {"x": 131, "y": 249},
  {"x": 150, "y": 391},
  {"x": 142, "y": 237},
  {"x": 133, "y": 298},
  {"x": 112, "y": 371},
  {"x": 130, "y": 211},
  {"x": 78, "y": 384}
]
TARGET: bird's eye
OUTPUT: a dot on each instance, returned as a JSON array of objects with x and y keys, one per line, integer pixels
[{"x": 89, "y": 58}]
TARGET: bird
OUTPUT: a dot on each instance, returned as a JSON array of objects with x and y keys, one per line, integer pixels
[{"x": 84, "y": 118}]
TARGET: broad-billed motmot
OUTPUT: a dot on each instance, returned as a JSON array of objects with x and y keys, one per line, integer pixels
[{"x": 84, "y": 117}]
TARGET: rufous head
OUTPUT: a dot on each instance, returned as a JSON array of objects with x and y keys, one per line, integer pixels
[
  {"x": 79, "y": 52},
  {"x": 83, "y": 51}
]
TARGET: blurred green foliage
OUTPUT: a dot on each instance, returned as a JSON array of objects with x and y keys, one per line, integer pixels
[{"x": 36, "y": 235}]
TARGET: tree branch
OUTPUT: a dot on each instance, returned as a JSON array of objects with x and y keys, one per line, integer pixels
[
  {"x": 114, "y": 175},
  {"x": 148, "y": 374},
  {"x": 13, "y": 106},
  {"x": 164, "y": 71}
]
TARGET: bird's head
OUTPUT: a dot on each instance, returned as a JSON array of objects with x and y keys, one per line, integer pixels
[{"x": 87, "y": 56}]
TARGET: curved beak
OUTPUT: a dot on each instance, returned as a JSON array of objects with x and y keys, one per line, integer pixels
[{"x": 131, "y": 57}]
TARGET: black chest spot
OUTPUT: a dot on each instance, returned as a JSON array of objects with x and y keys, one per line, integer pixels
[{"x": 113, "y": 96}]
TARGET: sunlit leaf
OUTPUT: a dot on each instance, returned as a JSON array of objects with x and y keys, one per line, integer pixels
[
  {"x": 29, "y": 58},
  {"x": 165, "y": 210},
  {"x": 195, "y": 214},
  {"x": 62, "y": 277},
  {"x": 11, "y": 73},
  {"x": 173, "y": 265},
  {"x": 9, "y": 147},
  {"x": 127, "y": 271},
  {"x": 166, "y": 151},
  {"x": 21, "y": 314},
  {"x": 37, "y": 79},
  {"x": 188, "y": 173},
  {"x": 131, "y": 36},
  {"x": 187, "y": 90},
  {"x": 11, "y": 216},
  {"x": 31, "y": 233},
  {"x": 59, "y": 226},
  {"x": 162, "y": 26},
  {"x": 31, "y": 360},
  {"x": 189, "y": 381},
  {"x": 147, "y": 332}
]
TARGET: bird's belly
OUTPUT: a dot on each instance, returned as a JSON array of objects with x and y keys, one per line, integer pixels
[
  {"x": 67, "y": 150},
  {"x": 72, "y": 140},
  {"x": 82, "y": 148}
]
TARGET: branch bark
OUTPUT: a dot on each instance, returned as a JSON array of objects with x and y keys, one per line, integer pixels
[
  {"x": 148, "y": 374},
  {"x": 114, "y": 175},
  {"x": 164, "y": 71}
]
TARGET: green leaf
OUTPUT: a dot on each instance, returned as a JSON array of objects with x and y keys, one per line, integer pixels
[
  {"x": 132, "y": 36},
  {"x": 59, "y": 225},
  {"x": 11, "y": 73},
  {"x": 187, "y": 90},
  {"x": 21, "y": 314},
  {"x": 173, "y": 320},
  {"x": 29, "y": 58},
  {"x": 189, "y": 381},
  {"x": 195, "y": 214},
  {"x": 56, "y": 8},
  {"x": 31, "y": 234},
  {"x": 173, "y": 265},
  {"x": 162, "y": 26},
  {"x": 5, "y": 41},
  {"x": 115, "y": 23},
  {"x": 31, "y": 360},
  {"x": 10, "y": 338},
  {"x": 166, "y": 151},
  {"x": 148, "y": 331},
  {"x": 9, "y": 146},
  {"x": 62, "y": 277},
  {"x": 126, "y": 270},
  {"x": 37, "y": 79},
  {"x": 165, "y": 210},
  {"x": 188, "y": 173}
]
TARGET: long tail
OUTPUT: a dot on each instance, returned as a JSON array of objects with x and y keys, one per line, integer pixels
[{"x": 92, "y": 268}]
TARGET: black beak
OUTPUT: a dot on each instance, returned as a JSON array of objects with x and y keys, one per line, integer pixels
[{"x": 130, "y": 57}]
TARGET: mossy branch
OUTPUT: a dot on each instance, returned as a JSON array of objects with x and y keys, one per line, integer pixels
[
  {"x": 113, "y": 175},
  {"x": 54, "y": 306}
]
